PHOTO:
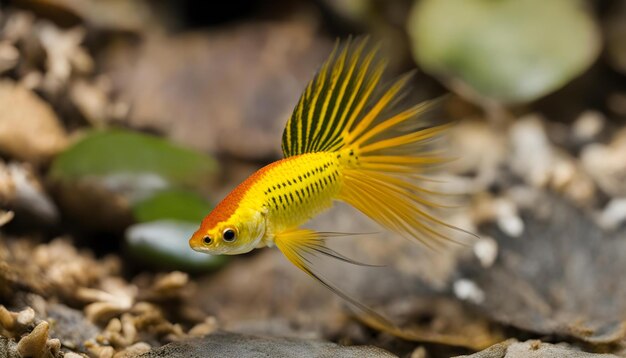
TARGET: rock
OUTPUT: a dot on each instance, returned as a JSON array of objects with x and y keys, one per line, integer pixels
[
  {"x": 9, "y": 56},
  {"x": 70, "y": 326},
  {"x": 101, "y": 351},
  {"x": 224, "y": 344},
  {"x": 228, "y": 91},
  {"x": 73, "y": 355},
  {"x": 8, "y": 348},
  {"x": 133, "y": 351},
  {"x": 606, "y": 164},
  {"x": 26, "y": 316},
  {"x": 29, "y": 128},
  {"x": 23, "y": 191},
  {"x": 588, "y": 126},
  {"x": 467, "y": 143},
  {"x": 532, "y": 156},
  {"x": 34, "y": 344},
  {"x": 533, "y": 349},
  {"x": 542, "y": 164},
  {"x": 556, "y": 277},
  {"x": 613, "y": 215}
]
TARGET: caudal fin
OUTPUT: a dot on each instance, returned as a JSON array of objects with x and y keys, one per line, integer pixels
[
  {"x": 385, "y": 151},
  {"x": 380, "y": 137},
  {"x": 382, "y": 176}
]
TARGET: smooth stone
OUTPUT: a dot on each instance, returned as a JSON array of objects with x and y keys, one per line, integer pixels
[{"x": 225, "y": 344}]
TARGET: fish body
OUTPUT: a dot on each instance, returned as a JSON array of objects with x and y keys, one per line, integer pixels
[
  {"x": 350, "y": 138},
  {"x": 298, "y": 188},
  {"x": 279, "y": 196}
]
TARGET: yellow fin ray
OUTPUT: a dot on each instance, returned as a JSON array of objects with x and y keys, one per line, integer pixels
[
  {"x": 418, "y": 137},
  {"x": 393, "y": 203},
  {"x": 300, "y": 245},
  {"x": 334, "y": 99},
  {"x": 390, "y": 95}
]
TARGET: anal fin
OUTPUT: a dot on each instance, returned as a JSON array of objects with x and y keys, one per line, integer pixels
[{"x": 300, "y": 246}]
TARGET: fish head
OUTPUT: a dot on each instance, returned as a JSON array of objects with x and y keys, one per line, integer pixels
[{"x": 238, "y": 234}]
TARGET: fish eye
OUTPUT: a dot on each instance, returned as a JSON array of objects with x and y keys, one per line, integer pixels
[
  {"x": 207, "y": 240},
  {"x": 229, "y": 235}
]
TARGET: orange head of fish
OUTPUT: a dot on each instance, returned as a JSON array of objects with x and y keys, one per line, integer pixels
[{"x": 238, "y": 233}]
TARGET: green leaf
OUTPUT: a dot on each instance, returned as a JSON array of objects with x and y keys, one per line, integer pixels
[
  {"x": 172, "y": 204},
  {"x": 164, "y": 244},
  {"x": 507, "y": 50},
  {"x": 125, "y": 154}
]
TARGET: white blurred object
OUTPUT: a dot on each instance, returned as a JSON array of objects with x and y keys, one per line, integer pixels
[
  {"x": 532, "y": 156},
  {"x": 467, "y": 290},
  {"x": 613, "y": 215},
  {"x": 588, "y": 125},
  {"x": 507, "y": 217},
  {"x": 486, "y": 250},
  {"x": 606, "y": 164}
]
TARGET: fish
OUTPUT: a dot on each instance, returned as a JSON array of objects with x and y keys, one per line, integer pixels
[{"x": 350, "y": 138}]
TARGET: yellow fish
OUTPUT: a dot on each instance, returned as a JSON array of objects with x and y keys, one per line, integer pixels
[{"x": 349, "y": 139}]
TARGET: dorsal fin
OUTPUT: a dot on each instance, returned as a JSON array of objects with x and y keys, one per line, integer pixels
[{"x": 334, "y": 99}]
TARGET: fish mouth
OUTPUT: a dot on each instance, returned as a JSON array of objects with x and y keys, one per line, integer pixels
[
  {"x": 208, "y": 251},
  {"x": 195, "y": 245},
  {"x": 216, "y": 250}
]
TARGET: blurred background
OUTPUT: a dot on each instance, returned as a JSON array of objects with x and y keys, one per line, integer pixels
[{"x": 122, "y": 123}]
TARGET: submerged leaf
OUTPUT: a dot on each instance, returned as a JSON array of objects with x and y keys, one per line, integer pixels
[
  {"x": 103, "y": 176},
  {"x": 163, "y": 243},
  {"x": 123, "y": 154},
  {"x": 508, "y": 50},
  {"x": 172, "y": 204}
]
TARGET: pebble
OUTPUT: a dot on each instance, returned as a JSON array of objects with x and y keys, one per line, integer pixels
[
  {"x": 486, "y": 250},
  {"x": 467, "y": 290}
]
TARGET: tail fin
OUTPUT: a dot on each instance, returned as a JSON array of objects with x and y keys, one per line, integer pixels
[
  {"x": 384, "y": 150},
  {"x": 382, "y": 174},
  {"x": 383, "y": 143}
]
